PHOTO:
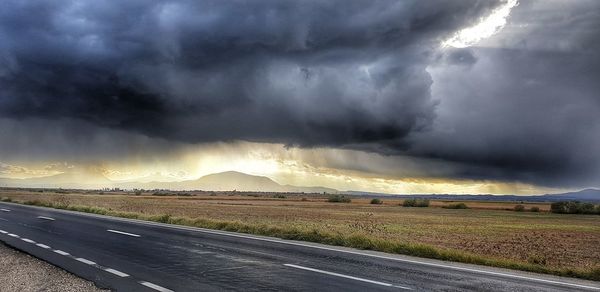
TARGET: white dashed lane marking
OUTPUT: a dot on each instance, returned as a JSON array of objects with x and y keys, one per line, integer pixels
[
  {"x": 46, "y": 218},
  {"x": 155, "y": 287},
  {"x": 88, "y": 262},
  {"x": 27, "y": 240},
  {"x": 60, "y": 252},
  {"x": 115, "y": 272},
  {"x": 5, "y": 210},
  {"x": 43, "y": 246},
  {"x": 123, "y": 233},
  {"x": 85, "y": 261}
]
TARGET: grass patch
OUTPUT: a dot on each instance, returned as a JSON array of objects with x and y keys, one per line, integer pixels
[{"x": 355, "y": 240}]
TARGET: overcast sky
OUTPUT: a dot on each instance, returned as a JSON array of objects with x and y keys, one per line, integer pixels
[{"x": 395, "y": 96}]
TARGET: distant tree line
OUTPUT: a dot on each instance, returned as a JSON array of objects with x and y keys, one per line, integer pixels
[{"x": 574, "y": 207}]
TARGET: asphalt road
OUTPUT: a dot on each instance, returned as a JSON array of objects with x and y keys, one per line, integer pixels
[{"x": 132, "y": 255}]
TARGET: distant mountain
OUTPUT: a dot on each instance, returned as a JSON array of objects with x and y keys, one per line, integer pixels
[
  {"x": 583, "y": 195},
  {"x": 80, "y": 178},
  {"x": 91, "y": 178},
  {"x": 224, "y": 181},
  {"x": 588, "y": 195},
  {"x": 233, "y": 180}
]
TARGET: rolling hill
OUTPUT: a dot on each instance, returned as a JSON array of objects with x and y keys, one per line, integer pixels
[{"x": 224, "y": 181}]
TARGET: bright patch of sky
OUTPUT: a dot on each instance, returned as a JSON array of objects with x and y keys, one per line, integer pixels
[{"x": 486, "y": 28}]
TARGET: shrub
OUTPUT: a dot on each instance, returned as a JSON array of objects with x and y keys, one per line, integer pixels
[
  {"x": 376, "y": 201},
  {"x": 338, "y": 199},
  {"x": 519, "y": 208},
  {"x": 138, "y": 193},
  {"x": 456, "y": 206},
  {"x": 534, "y": 209},
  {"x": 414, "y": 202},
  {"x": 279, "y": 196},
  {"x": 559, "y": 207},
  {"x": 304, "y": 199},
  {"x": 587, "y": 208},
  {"x": 573, "y": 207}
]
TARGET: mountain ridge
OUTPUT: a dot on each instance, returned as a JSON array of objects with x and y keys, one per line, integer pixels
[
  {"x": 585, "y": 195},
  {"x": 222, "y": 181},
  {"x": 239, "y": 181}
]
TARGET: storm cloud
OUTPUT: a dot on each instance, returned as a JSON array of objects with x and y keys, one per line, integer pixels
[
  {"x": 529, "y": 108},
  {"x": 366, "y": 75},
  {"x": 301, "y": 73}
]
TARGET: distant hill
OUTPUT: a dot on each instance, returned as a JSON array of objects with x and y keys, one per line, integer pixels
[
  {"x": 81, "y": 178},
  {"x": 91, "y": 178},
  {"x": 588, "y": 195},
  {"x": 224, "y": 181},
  {"x": 233, "y": 180}
]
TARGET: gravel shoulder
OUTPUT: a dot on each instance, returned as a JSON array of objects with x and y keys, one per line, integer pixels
[{"x": 23, "y": 273}]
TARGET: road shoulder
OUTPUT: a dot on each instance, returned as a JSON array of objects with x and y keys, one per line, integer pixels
[{"x": 23, "y": 273}]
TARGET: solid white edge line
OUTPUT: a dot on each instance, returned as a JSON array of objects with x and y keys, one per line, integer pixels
[
  {"x": 46, "y": 218},
  {"x": 118, "y": 273},
  {"x": 43, "y": 246},
  {"x": 28, "y": 240},
  {"x": 60, "y": 252},
  {"x": 124, "y": 233},
  {"x": 155, "y": 287},
  {"x": 280, "y": 241},
  {"x": 346, "y": 276},
  {"x": 85, "y": 261}
]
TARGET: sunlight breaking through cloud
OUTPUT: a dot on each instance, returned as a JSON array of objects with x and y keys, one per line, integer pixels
[{"x": 486, "y": 28}]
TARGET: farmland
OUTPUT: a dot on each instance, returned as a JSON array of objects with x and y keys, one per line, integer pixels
[{"x": 487, "y": 232}]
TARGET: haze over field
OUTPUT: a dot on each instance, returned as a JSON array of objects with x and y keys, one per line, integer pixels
[{"x": 470, "y": 96}]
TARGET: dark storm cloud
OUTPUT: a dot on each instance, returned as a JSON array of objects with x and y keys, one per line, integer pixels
[
  {"x": 352, "y": 74},
  {"x": 297, "y": 72},
  {"x": 529, "y": 111}
]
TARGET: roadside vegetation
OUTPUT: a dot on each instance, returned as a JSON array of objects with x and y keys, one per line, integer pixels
[{"x": 560, "y": 244}]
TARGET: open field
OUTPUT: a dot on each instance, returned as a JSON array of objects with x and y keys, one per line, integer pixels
[{"x": 486, "y": 234}]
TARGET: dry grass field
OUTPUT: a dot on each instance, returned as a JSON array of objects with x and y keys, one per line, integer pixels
[{"x": 488, "y": 231}]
